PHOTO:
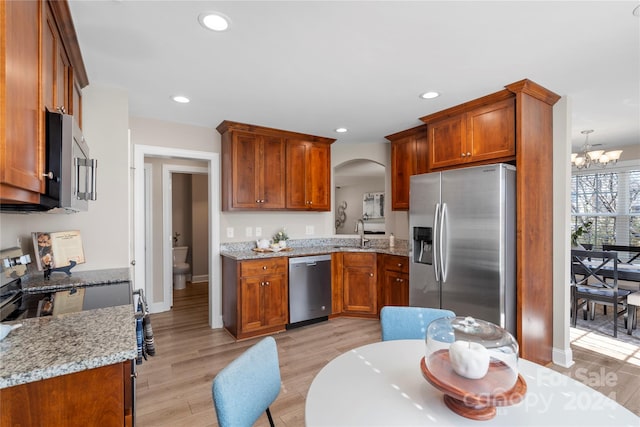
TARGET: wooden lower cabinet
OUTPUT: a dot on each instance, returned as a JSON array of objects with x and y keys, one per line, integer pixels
[
  {"x": 255, "y": 298},
  {"x": 359, "y": 284},
  {"x": 95, "y": 397},
  {"x": 394, "y": 289}
]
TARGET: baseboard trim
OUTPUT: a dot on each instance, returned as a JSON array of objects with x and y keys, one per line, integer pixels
[
  {"x": 562, "y": 357},
  {"x": 200, "y": 278}
]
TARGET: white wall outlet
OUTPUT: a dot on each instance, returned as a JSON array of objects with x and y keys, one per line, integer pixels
[
  {"x": 310, "y": 230},
  {"x": 248, "y": 231},
  {"x": 229, "y": 232},
  {"x": 258, "y": 231}
]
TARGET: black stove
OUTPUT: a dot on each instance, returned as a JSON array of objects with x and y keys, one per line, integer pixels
[{"x": 13, "y": 265}]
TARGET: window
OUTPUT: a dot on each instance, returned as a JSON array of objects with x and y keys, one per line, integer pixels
[{"x": 611, "y": 201}]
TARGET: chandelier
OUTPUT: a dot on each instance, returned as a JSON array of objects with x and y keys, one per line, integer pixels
[{"x": 586, "y": 157}]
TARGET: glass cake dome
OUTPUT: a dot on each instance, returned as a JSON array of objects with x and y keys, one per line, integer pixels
[{"x": 471, "y": 355}]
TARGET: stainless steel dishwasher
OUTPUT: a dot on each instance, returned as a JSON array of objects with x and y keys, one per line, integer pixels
[{"x": 309, "y": 289}]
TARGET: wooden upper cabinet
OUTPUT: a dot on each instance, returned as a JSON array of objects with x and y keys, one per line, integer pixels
[
  {"x": 56, "y": 68},
  {"x": 21, "y": 144},
  {"x": 482, "y": 134},
  {"x": 43, "y": 68},
  {"x": 265, "y": 168},
  {"x": 308, "y": 175},
  {"x": 409, "y": 153},
  {"x": 257, "y": 171}
]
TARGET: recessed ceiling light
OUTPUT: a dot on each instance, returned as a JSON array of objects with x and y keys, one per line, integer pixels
[
  {"x": 181, "y": 99},
  {"x": 214, "y": 21},
  {"x": 341, "y": 130},
  {"x": 429, "y": 95}
]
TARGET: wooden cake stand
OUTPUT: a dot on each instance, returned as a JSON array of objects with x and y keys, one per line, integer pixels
[{"x": 474, "y": 399}]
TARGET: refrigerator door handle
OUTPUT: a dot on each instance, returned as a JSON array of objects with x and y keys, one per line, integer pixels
[
  {"x": 441, "y": 254},
  {"x": 434, "y": 247}
]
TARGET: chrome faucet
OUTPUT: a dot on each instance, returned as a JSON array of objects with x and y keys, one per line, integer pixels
[{"x": 360, "y": 230}]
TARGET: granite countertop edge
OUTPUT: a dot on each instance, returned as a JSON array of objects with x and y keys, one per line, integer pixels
[{"x": 249, "y": 253}]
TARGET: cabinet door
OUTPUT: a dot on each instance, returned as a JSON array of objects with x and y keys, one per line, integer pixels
[
  {"x": 272, "y": 182},
  {"x": 21, "y": 142},
  {"x": 296, "y": 175},
  {"x": 359, "y": 283},
  {"x": 251, "y": 303},
  {"x": 491, "y": 131},
  {"x": 403, "y": 165},
  {"x": 56, "y": 69},
  {"x": 318, "y": 167},
  {"x": 447, "y": 142},
  {"x": 308, "y": 176},
  {"x": 275, "y": 301},
  {"x": 396, "y": 288},
  {"x": 246, "y": 169}
]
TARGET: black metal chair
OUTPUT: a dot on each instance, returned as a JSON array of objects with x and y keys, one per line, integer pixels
[{"x": 594, "y": 280}]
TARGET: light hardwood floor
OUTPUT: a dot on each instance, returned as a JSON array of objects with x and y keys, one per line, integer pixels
[{"x": 174, "y": 387}]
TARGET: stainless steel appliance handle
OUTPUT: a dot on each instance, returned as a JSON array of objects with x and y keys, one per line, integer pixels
[
  {"x": 434, "y": 246},
  {"x": 94, "y": 178},
  {"x": 89, "y": 181},
  {"x": 443, "y": 263}
]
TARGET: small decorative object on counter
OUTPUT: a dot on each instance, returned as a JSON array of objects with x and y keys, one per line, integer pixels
[
  {"x": 475, "y": 364},
  {"x": 262, "y": 244},
  {"x": 281, "y": 238},
  {"x": 392, "y": 240}
]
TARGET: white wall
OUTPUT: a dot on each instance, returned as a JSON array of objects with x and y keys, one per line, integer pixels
[
  {"x": 352, "y": 194},
  {"x": 105, "y": 227}
]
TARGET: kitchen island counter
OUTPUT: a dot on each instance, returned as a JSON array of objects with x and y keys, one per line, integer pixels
[{"x": 47, "y": 347}]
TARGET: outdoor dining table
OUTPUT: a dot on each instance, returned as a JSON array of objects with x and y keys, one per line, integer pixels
[{"x": 381, "y": 384}]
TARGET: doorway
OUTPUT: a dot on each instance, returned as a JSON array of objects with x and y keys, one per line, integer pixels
[
  {"x": 170, "y": 174},
  {"x": 161, "y": 301}
]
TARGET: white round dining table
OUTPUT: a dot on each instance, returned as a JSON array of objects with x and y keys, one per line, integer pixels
[{"x": 381, "y": 384}]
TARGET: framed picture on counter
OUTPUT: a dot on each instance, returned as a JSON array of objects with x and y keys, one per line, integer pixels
[{"x": 57, "y": 249}]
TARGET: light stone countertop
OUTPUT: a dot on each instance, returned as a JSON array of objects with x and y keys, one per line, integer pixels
[
  {"x": 35, "y": 282},
  {"x": 46, "y": 347},
  {"x": 305, "y": 247}
]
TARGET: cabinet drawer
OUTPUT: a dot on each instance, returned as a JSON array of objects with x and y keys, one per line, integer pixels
[
  {"x": 396, "y": 263},
  {"x": 264, "y": 266},
  {"x": 359, "y": 259}
]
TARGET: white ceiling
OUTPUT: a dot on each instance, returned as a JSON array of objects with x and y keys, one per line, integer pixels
[{"x": 313, "y": 66}]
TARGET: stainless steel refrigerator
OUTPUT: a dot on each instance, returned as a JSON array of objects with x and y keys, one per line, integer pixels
[{"x": 462, "y": 239}]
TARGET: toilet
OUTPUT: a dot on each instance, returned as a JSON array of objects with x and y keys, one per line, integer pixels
[{"x": 180, "y": 267}]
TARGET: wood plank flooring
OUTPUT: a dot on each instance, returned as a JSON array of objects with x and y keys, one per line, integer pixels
[{"x": 174, "y": 387}]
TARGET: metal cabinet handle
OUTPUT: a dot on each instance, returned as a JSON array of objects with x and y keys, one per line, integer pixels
[
  {"x": 468, "y": 154},
  {"x": 399, "y": 264},
  {"x": 463, "y": 155},
  {"x": 370, "y": 274},
  {"x": 48, "y": 175},
  {"x": 264, "y": 267}
]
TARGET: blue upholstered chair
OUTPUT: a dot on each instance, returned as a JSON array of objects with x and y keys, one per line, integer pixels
[
  {"x": 404, "y": 323},
  {"x": 245, "y": 388}
]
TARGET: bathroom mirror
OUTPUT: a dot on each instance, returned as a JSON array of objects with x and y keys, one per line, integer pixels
[{"x": 353, "y": 179}]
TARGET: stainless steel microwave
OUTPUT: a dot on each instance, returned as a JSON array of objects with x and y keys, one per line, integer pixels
[{"x": 70, "y": 173}]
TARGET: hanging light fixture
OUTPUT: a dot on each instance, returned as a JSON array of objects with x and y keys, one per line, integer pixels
[{"x": 586, "y": 157}]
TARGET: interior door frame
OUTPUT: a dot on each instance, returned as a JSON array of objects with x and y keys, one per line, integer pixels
[{"x": 213, "y": 169}]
